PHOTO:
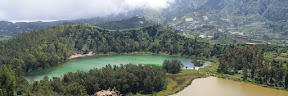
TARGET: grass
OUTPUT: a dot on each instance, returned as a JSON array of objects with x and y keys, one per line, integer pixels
[{"x": 177, "y": 82}]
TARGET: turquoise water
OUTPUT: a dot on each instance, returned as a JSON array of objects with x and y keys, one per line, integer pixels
[{"x": 87, "y": 63}]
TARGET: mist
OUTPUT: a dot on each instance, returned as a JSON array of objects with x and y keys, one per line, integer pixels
[{"x": 49, "y": 10}]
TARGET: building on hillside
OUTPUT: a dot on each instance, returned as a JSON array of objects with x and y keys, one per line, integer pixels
[
  {"x": 205, "y": 18},
  {"x": 189, "y": 19}
]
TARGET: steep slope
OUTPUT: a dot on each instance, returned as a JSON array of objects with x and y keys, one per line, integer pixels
[
  {"x": 248, "y": 20},
  {"x": 241, "y": 20}
]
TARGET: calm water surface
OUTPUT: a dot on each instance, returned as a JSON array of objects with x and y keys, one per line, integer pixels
[
  {"x": 87, "y": 63},
  {"x": 213, "y": 86}
]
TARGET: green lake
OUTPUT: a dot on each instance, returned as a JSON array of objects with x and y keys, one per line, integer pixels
[{"x": 87, "y": 63}]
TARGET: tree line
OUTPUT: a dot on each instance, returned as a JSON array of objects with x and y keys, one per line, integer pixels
[
  {"x": 127, "y": 78},
  {"x": 48, "y": 47},
  {"x": 251, "y": 64}
]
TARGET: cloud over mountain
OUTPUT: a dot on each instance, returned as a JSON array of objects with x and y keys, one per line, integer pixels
[{"x": 27, "y": 10}]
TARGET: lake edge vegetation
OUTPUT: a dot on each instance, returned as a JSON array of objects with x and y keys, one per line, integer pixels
[
  {"x": 51, "y": 46},
  {"x": 251, "y": 64}
]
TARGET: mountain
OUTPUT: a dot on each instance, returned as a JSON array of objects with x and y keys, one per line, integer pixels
[
  {"x": 239, "y": 21},
  {"x": 20, "y": 27}
]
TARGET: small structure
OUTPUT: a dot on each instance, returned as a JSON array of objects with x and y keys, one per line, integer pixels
[
  {"x": 205, "y": 18},
  {"x": 250, "y": 44},
  {"x": 189, "y": 19},
  {"x": 202, "y": 36},
  {"x": 106, "y": 93}
]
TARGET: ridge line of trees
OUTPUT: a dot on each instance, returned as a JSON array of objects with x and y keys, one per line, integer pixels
[{"x": 48, "y": 47}]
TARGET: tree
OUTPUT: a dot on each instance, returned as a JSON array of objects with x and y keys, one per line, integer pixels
[
  {"x": 21, "y": 82},
  {"x": 7, "y": 82},
  {"x": 245, "y": 73},
  {"x": 75, "y": 89},
  {"x": 173, "y": 66},
  {"x": 286, "y": 77}
]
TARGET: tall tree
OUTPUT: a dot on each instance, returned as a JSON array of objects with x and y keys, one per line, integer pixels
[
  {"x": 286, "y": 77},
  {"x": 7, "y": 82}
]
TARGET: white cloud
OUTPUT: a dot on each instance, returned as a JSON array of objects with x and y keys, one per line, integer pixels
[{"x": 26, "y": 10}]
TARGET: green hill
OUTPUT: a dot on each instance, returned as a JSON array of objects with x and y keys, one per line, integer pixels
[
  {"x": 134, "y": 22},
  {"x": 48, "y": 47}
]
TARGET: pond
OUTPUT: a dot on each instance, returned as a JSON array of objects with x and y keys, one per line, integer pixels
[
  {"x": 213, "y": 86},
  {"x": 87, "y": 63}
]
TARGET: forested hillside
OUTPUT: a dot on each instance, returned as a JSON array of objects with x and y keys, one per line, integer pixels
[
  {"x": 49, "y": 47},
  {"x": 134, "y": 22},
  {"x": 251, "y": 64},
  {"x": 239, "y": 20},
  {"x": 7, "y": 27}
]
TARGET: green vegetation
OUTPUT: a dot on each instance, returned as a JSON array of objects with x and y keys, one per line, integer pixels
[
  {"x": 239, "y": 20},
  {"x": 13, "y": 81},
  {"x": 48, "y": 47},
  {"x": 249, "y": 64},
  {"x": 216, "y": 21},
  {"x": 134, "y": 22},
  {"x": 22, "y": 27},
  {"x": 173, "y": 66},
  {"x": 177, "y": 82},
  {"x": 125, "y": 78}
]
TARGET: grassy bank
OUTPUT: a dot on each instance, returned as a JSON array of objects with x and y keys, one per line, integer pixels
[{"x": 177, "y": 82}]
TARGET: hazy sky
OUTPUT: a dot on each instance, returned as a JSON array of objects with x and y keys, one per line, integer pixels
[{"x": 28, "y": 10}]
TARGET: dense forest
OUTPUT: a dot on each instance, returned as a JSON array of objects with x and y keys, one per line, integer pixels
[
  {"x": 253, "y": 66},
  {"x": 134, "y": 22},
  {"x": 7, "y": 27},
  {"x": 189, "y": 23},
  {"x": 127, "y": 78},
  {"x": 49, "y": 47}
]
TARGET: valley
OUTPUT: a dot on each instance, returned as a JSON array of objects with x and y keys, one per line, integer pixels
[{"x": 144, "y": 48}]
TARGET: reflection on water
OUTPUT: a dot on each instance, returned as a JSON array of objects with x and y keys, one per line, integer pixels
[{"x": 213, "y": 86}]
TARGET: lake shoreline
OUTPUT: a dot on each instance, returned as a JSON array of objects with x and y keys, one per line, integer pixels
[
  {"x": 194, "y": 86},
  {"x": 211, "y": 70},
  {"x": 95, "y": 61},
  {"x": 81, "y": 55},
  {"x": 212, "y": 59}
]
